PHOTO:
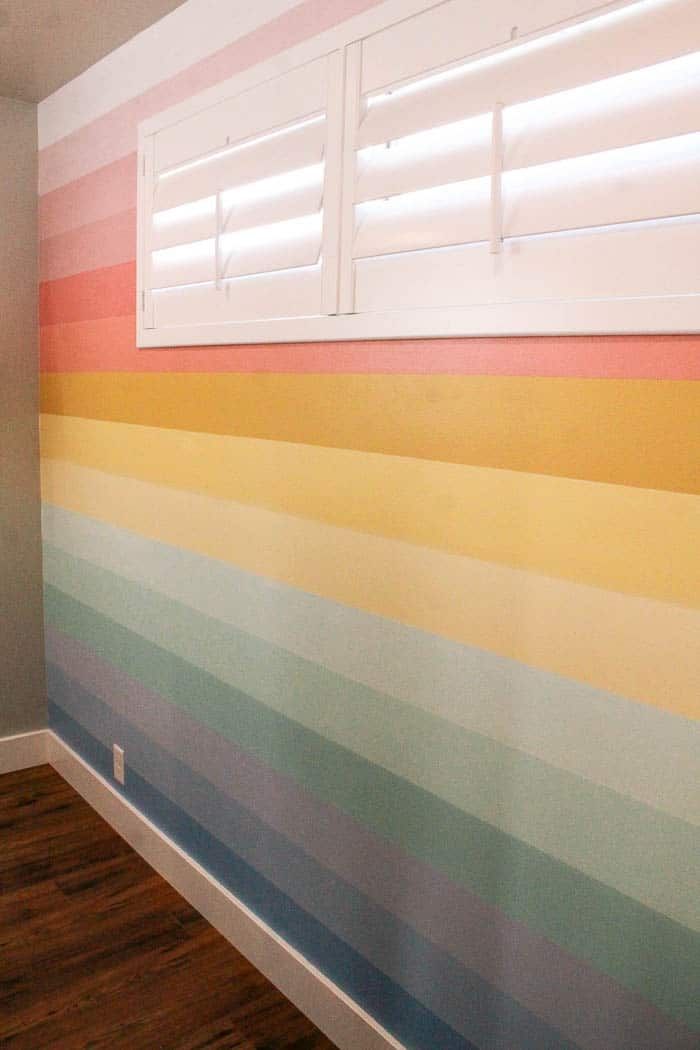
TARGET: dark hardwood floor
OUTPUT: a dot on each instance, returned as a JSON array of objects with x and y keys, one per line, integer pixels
[{"x": 96, "y": 950}]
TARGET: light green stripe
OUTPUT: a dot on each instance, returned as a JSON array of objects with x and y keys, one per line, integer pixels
[
  {"x": 641, "y": 948},
  {"x": 636, "y": 750},
  {"x": 615, "y": 840}
]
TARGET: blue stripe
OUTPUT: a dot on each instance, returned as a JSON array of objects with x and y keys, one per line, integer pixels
[
  {"x": 399, "y": 1012},
  {"x": 461, "y": 998}
]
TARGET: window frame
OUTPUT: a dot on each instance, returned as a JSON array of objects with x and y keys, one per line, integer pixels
[{"x": 649, "y": 315}]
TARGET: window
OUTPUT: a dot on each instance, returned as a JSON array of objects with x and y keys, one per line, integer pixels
[
  {"x": 547, "y": 181},
  {"x": 236, "y": 229}
]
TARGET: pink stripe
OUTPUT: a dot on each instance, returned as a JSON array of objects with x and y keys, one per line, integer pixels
[
  {"x": 89, "y": 296},
  {"x": 114, "y": 135},
  {"x": 108, "y": 345},
  {"x": 105, "y": 192},
  {"x": 103, "y": 243}
]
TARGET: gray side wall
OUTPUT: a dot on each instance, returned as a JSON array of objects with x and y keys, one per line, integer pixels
[{"x": 22, "y": 688}]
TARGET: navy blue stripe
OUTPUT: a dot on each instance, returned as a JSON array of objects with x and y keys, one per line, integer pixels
[
  {"x": 399, "y": 1012},
  {"x": 463, "y": 999}
]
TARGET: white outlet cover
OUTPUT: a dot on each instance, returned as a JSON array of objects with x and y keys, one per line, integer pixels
[{"x": 118, "y": 757}]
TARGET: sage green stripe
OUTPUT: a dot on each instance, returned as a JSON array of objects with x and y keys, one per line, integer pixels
[
  {"x": 626, "y": 844},
  {"x": 636, "y": 750},
  {"x": 642, "y": 949}
]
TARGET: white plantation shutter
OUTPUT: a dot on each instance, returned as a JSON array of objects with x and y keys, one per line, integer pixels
[
  {"x": 238, "y": 191},
  {"x": 508, "y": 167},
  {"x": 590, "y": 133}
]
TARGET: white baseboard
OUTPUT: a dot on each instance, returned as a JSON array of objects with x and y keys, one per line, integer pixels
[
  {"x": 330, "y": 1009},
  {"x": 23, "y": 751}
]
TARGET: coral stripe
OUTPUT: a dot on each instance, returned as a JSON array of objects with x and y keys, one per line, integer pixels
[
  {"x": 626, "y": 432},
  {"x": 107, "y": 292},
  {"x": 637, "y": 647},
  {"x": 109, "y": 345}
]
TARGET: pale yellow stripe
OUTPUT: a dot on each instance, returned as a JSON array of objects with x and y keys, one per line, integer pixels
[
  {"x": 637, "y": 647},
  {"x": 641, "y": 541}
]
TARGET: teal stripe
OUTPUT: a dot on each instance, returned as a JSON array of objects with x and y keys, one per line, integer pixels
[
  {"x": 615, "y": 840},
  {"x": 459, "y": 997},
  {"x": 642, "y": 949},
  {"x": 634, "y": 749}
]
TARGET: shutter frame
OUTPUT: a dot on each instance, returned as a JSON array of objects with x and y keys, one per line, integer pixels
[{"x": 377, "y": 278}]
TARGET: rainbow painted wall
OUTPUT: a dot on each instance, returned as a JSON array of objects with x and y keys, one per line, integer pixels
[{"x": 402, "y": 640}]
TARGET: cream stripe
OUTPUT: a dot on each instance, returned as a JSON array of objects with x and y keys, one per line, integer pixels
[
  {"x": 641, "y": 541},
  {"x": 637, "y": 647}
]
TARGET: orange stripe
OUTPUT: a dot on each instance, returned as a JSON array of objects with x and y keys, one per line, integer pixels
[
  {"x": 627, "y": 432},
  {"x": 641, "y": 541}
]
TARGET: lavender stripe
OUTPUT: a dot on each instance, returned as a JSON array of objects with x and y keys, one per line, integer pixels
[{"x": 589, "y": 1007}]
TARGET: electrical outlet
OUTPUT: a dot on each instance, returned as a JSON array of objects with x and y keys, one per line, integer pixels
[{"x": 118, "y": 755}]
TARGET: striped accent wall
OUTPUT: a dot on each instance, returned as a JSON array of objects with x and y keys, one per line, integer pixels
[{"x": 401, "y": 640}]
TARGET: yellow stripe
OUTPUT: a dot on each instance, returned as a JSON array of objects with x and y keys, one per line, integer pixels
[
  {"x": 637, "y": 647},
  {"x": 641, "y": 541},
  {"x": 629, "y": 432}
]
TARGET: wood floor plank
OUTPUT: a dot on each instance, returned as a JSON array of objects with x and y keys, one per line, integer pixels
[{"x": 96, "y": 950}]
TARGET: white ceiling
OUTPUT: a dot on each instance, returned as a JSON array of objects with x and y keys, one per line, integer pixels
[{"x": 45, "y": 43}]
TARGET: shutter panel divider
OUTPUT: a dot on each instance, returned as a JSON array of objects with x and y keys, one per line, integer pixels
[
  {"x": 353, "y": 116},
  {"x": 145, "y": 235},
  {"x": 497, "y": 179},
  {"x": 331, "y": 201},
  {"x": 217, "y": 243}
]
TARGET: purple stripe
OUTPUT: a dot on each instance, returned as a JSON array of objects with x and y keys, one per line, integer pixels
[{"x": 589, "y": 1007}]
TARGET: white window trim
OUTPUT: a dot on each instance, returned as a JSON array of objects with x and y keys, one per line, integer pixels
[{"x": 655, "y": 315}]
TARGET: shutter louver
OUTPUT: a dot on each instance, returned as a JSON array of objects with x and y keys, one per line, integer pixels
[
  {"x": 598, "y": 130},
  {"x": 236, "y": 229}
]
